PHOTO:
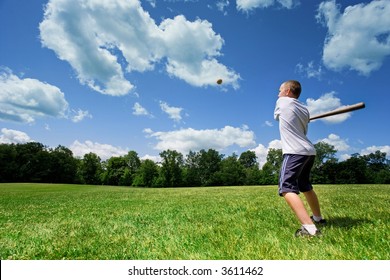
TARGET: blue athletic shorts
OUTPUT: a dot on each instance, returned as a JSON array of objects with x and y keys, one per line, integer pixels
[{"x": 295, "y": 174}]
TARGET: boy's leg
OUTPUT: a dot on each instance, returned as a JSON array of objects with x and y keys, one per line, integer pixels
[
  {"x": 292, "y": 166},
  {"x": 312, "y": 200},
  {"x": 296, "y": 204},
  {"x": 307, "y": 189},
  {"x": 289, "y": 188}
]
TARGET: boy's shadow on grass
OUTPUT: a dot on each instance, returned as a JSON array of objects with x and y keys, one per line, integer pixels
[{"x": 346, "y": 222}]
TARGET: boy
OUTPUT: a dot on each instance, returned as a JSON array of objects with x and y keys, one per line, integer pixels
[{"x": 298, "y": 158}]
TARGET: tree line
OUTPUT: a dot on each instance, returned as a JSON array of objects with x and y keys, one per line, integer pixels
[{"x": 34, "y": 162}]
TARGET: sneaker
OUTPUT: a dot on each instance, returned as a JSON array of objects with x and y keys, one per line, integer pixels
[
  {"x": 302, "y": 232},
  {"x": 320, "y": 222}
]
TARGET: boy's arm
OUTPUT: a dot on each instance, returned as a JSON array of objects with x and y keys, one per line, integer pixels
[{"x": 277, "y": 111}]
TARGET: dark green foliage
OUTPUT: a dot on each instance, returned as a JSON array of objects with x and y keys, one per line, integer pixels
[
  {"x": 232, "y": 172},
  {"x": 171, "y": 169},
  {"x": 147, "y": 174},
  {"x": 34, "y": 162},
  {"x": 201, "y": 168},
  {"x": 270, "y": 171},
  {"x": 90, "y": 169},
  {"x": 209, "y": 165},
  {"x": 191, "y": 172},
  {"x": 120, "y": 171},
  {"x": 248, "y": 159},
  {"x": 63, "y": 166},
  {"x": 325, "y": 163},
  {"x": 8, "y": 163}
]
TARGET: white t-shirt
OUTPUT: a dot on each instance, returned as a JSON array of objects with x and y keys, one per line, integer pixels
[{"x": 293, "y": 118}]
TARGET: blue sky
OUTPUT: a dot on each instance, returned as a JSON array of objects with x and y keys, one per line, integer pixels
[{"x": 110, "y": 76}]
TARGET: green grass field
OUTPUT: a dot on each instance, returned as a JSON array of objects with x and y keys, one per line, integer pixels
[{"x": 53, "y": 222}]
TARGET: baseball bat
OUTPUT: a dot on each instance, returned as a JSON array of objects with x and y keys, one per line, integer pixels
[{"x": 346, "y": 109}]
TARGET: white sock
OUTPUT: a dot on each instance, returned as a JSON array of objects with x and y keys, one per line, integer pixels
[
  {"x": 310, "y": 228},
  {"x": 317, "y": 218}
]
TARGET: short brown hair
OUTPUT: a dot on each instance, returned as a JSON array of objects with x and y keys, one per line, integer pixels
[{"x": 294, "y": 86}]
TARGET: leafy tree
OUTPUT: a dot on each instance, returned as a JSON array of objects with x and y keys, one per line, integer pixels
[
  {"x": 171, "y": 168},
  {"x": 324, "y": 153},
  {"x": 133, "y": 163},
  {"x": 252, "y": 176},
  {"x": 127, "y": 178},
  {"x": 121, "y": 171},
  {"x": 146, "y": 174},
  {"x": 31, "y": 162},
  {"x": 191, "y": 172},
  {"x": 326, "y": 174},
  {"x": 114, "y": 171},
  {"x": 271, "y": 169},
  {"x": 63, "y": 165},
  {"x": 90, "y": 169},
  {"x": 209, "y": 165},
  {"x": 323, "y": 170},
  {"x": 378, "y": 169},
  {"x": 352, "y": 171},
  {"x": 9, "y": 167},
  {"x": 232, "y": 172},
  {"x": 252, "y": 172},
  {"x": 375, "y": 161},
  {"x": 383, "y": 176},
  {"x": 248, "y": 159},
  {"x": 201, "y": 168}
]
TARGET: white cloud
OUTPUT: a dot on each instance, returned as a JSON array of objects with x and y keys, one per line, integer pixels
[
  {"x": 80, "y": 115},
  {"x": 104, "y": 39},
  {"x": 152, "y": 3},
  {"x": 9, "y": 136},
  {"x": 184, "y": 140},
  {"x": 358, "y": 39},
  {"x": 269, "y": 123},
  {"x": 191, "y": 48},
  {"x": 339, "y": 144},
  {"x": 104, "y": 151},
  {"x": 373, "y": 149},
  {"x": 222, "y": 5},
  {"x": 261, "y": 151},
  {"x": 156, "y": 159},
  {"x": 344, "y": 157},
  {"x": 148, "y": 131},
  {"x": 310, "y": 70},
  {"x": 247, "y": 5},
  {"x": 174, "y": 113},
  {"x": 24, "y": 100},
  {"x": 325, "y": 103},
  {"x": 369, "y": 150},
  {"x": 275, "y": 144},
  {"x": 138, "y": 110}
]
